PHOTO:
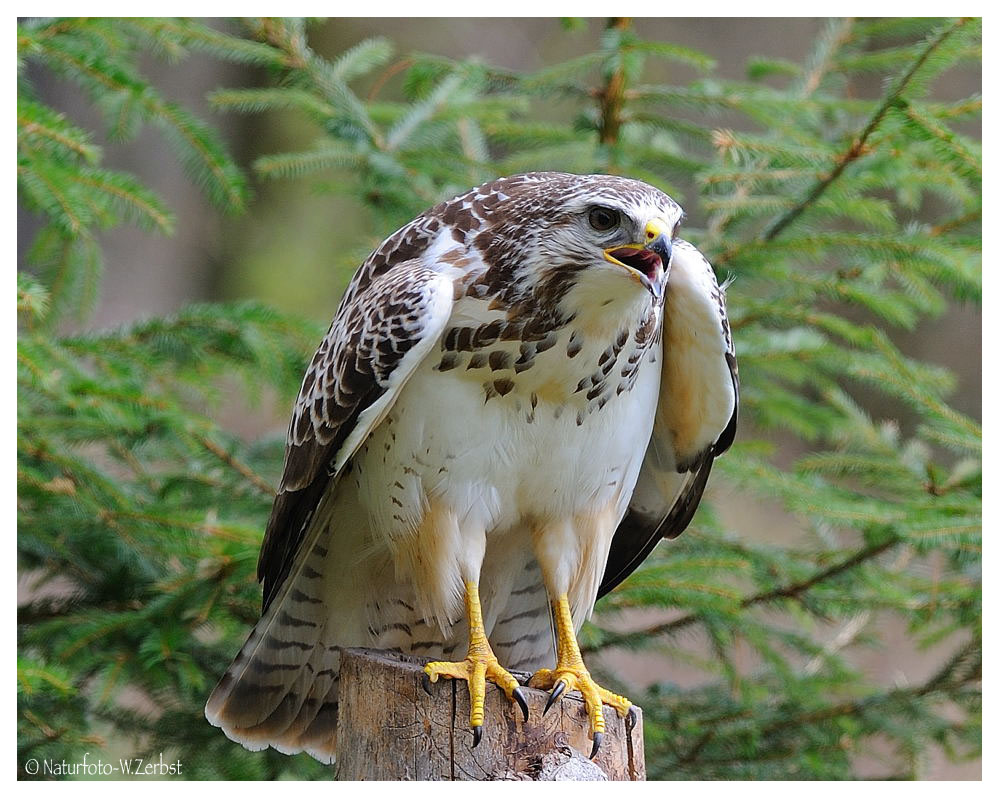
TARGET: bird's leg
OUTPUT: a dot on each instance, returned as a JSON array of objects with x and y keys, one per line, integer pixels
[
  {"x": 570, "y": 674},
  {"x": 480, "y": 664}
]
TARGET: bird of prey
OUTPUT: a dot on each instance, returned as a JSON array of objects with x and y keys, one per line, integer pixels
[{"x": 522, "y": 391}]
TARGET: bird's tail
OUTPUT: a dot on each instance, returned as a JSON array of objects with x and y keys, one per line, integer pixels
[{"x": 281, "y": 689}]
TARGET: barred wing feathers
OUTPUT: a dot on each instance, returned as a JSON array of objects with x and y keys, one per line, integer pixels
[{"x": 695, "y": 419}]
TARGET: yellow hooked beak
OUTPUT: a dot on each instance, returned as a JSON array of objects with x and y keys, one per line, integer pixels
[{"x": 648, "y": 261}]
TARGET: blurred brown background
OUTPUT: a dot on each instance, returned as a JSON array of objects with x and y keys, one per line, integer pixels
[{"x": 280, "y": 252}]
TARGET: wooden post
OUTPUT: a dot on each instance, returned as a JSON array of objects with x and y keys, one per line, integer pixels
[{"x": 390, "y": 729}]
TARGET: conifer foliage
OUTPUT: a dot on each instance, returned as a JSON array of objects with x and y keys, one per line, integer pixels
[{"x": 842, "y": 216}]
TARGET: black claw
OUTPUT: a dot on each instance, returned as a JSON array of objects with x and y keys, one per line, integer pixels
[
  {"x": 631, "y": 719},
  {"x": 426, "y": 684},
  {"x": 556, "y": 693},
  {"x": 518, "y": 696},
  {"x": 476, "y": 736},
  {"x": 598, "y": 737}
]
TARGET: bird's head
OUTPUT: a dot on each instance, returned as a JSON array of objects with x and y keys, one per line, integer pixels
[{"x": 607, "y": 237}]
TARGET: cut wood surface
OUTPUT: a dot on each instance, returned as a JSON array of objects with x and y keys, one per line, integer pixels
[{"x": 390, "y": 729}]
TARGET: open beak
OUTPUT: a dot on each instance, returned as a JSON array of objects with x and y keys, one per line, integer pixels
[{"x": 648, "y": 262}]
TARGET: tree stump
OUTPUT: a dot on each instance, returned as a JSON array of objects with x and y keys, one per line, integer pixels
[{"x": 390, "y": 729}]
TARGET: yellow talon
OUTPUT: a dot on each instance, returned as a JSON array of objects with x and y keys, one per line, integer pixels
[
  {"x": 480, "y": 664},
  {"x": 570, "y": 674}
]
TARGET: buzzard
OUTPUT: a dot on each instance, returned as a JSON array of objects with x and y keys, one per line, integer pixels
[{"x": 522, "y": 391}]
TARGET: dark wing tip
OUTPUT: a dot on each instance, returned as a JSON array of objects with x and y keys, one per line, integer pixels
[
  {"x": 728, "y": 434},
  {"x": 638, "y": 534},
  {"x": 289, "y": 522}
]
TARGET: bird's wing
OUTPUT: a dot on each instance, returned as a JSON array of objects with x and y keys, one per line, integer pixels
[
  {"x": 385, "y": 326},
  {"x": 695, "y": 418}
]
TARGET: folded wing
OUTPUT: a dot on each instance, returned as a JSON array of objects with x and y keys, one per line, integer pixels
[
  {"x": 695, "y": 419},
  {"x": 282, "y": 688}
]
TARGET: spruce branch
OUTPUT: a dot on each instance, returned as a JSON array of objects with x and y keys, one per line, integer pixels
[
  {"x": 962, "y": 669},
  {"x": 197, "y": 145},
  {"x": 794, "y": 590},
  {"x": 858, "y": 147},
  {"x": 611, "y": 94},
  {"x": 957, "y": 223},
  {"x": 241, "y": 468},
  {"x": 838, "y": 33},
  {"x": 387, "y": 74}
]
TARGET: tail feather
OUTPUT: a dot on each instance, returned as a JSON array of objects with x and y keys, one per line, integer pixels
[
  {"x": 319, "y": 738},
  {"x": 318, "y": 685},
  {"x": 281, "y": 689},
  {"x": 521, "y": 635}
]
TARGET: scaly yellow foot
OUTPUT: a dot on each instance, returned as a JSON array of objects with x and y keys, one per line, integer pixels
[
  {"x": 479, "y": 665},
  {"x": 570, "y": 674}
]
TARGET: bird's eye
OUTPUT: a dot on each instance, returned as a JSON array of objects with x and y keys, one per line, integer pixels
[{"x": 604, "y": 219}]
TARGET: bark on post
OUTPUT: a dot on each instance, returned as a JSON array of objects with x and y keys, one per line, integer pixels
[{"x": 390, "y": 729}]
